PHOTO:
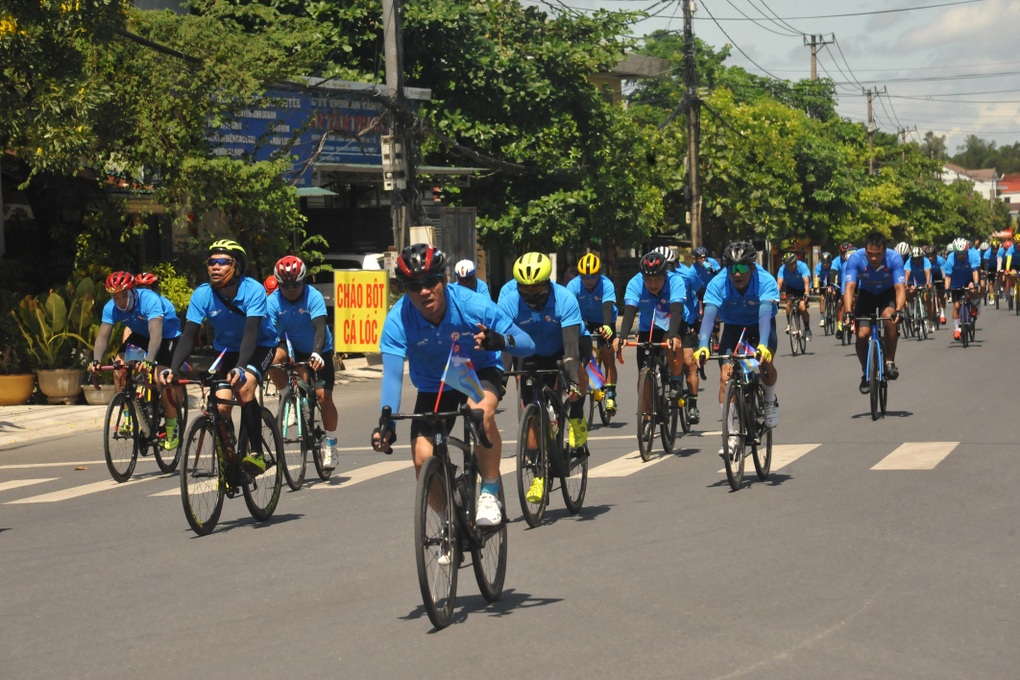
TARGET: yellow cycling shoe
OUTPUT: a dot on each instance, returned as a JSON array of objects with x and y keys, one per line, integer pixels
[
  {"x": 536, "y": 491},
  {"x": 578, "y": 433}
]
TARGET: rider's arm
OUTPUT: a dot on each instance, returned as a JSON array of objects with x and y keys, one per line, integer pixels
[
  {"x": 155, "y": 338},
  {"x": 319, "y": 341},
  {"x": 571, "y": 351},
  {"x": 629, "y": 312},
  {"x": 102, "y": 340},
  {"x": 251, "y": 336},
  {"x": 392, "y": 381},
  {"x": 901, "y": 296},
  {"x": 765, "y": 310},
  {"x": 707, "y": 324},
  {"x": 676, "y": 319},
  {"x": 849, "y": 288},
  {"x": 184, "y": 345},
  {"x": 609, "y": 314}
]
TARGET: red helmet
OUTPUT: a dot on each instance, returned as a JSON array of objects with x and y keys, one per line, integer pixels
[
  {"x": 271, "y": 283},
  {"x": 291, "y": 269},
  {"x": 120, "y": 281},
  {"x": 146, "y": 279},
  {"x": 419, "y": 261}
]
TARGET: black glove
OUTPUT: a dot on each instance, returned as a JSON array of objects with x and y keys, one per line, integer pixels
[
  {"x": 493, "y": 341},
  {"x": 388, "y": 440},
  {"x": 94, "y": 366}
]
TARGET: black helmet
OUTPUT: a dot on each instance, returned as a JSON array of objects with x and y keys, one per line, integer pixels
[
  {"x": 928, "y": 250},
  {"x": 418, "y": 262},
  {"x": 740, "y": 252},
  {"x": 789, "y": 258},
  {"x": 700, "y": 251},
  {"x": 827, "y": 258},
  {"x": 653, "y": 263}
]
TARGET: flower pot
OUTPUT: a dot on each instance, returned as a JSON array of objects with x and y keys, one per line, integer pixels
[
  {"x": 61, "y": 385},
  {"x": 98, "y": 397},
  {"x": 16, "y": 389}
]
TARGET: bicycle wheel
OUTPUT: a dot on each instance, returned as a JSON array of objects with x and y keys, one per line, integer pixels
[
  {"x": 685, "y": 409},
  {"x": 318, "y": 439},
  {"x": 670, "y": 415},
  {"x": 120, "y": 437},
  {"x": 574, "y": 480},
  {"x": 830, "y": 316},
  {"x": 437, "y": 551},
  {"x": 591, "y": 407},
  {"x": 802, "y": 332},
  {"x": 295, "y": 439},
  {"x": 169, "y": 459},
  {"x": 792, "y": 332},
  {"x": 262, "y": 493},
  {"x": 733, "y": 456},
  {"x": 646, "y": 417},
  {"x": 883, "y": 394},
  {"x": 762, "y": 455},
  {"x": 873, "y": 363},
  {"x": 489, "y": 559},
  {"x": 201, "y": 487},
  {"x": 532, "y": 464}
]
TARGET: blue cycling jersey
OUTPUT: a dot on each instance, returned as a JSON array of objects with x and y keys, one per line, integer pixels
[
  {"x": 827, "y": 276},
  {"x": 294, "y": 319},
  {"x": 694, "y": 285},
  {"x": 874, "y": 279},
  {"x": 917, "y": 277},
  {"x": 227, "y": 324},
  {"x": 508, "y": 288},
  {"x": 793, "y": 275},
  {"x": 545, "y": 326},
  {"x": 591, "y": 301},
  {"x": 959, "y": 270},
  {"x": 481, "y": 287},
  {"x": 148, "y": 305},
  {"x": 654, "y": 309},
  {"x": 707, "y": 270},
  {"x": 738, "y": 308}
]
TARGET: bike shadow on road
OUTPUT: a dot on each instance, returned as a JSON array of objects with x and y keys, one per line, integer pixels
[
  {"x": 751, "y": 479},
  {"x": 890, "y": 414},
  {"x": 240, "y": 522},
  {"x": 551, "y": 516},
  {"x": 509, "y": 601}
]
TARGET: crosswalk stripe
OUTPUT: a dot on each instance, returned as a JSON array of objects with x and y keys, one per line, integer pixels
[
  {"x": 916, "y": 456},
  {"x": 18, "y": 483},
  {"x": 83, "y": 490},
  {"x": 352, "y": 477},
  {"x": 625, "y": 465},
  {"x": 783, "y": 455}
]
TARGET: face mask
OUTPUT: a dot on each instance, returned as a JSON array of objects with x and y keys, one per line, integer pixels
[
  {"x": 130, "y": 302},
  {"x": 536, "y": 300}
]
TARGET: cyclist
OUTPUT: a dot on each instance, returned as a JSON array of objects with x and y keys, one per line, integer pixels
[
  {"x": 826, "y": 275},
  {"x": 1009, "y": 265},
  {"x": 745, "y": 300},
  {"x": 903, "y": 250},
  {"x": 938, "y": 280},
  {"x": 150, "y": 322},
  {"x": 235, "y": 306},
  {"x": 845, "y": 251},
  {"x": 657, "y": 299},
  {"x": 990, "y": 263},
  {"x": 299, "y": 314},
  {"x": 425, "y": 325},
  {"x": 148, "y": 281},
  {"x": 961, "y": 271},
  {"x": 917, "y": 269},
  {"x": 596, "y": 296},
  {"x": 468, "y": 277},
  {"x": 986, "y": 252},
  {"x": 695, "y": 287},
  {"x": 795, "y": 275},
  {"x": 878, "y": 272},
  {"x": 704, "y": 265}
]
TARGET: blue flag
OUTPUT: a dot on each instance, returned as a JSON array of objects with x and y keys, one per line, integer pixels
[
  {"x": 460, "y": 375},
  {"x": 660, "y": 320},
  {"x": 595, "y": 377},
  {"x": 749, "y": 365}
]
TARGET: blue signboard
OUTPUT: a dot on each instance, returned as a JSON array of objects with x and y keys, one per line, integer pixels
[{"x": 294, "y": 123}]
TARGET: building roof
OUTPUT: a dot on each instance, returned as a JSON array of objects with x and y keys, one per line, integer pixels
[
  {"x": 1010, "y": 183},
  {"x": 982, "y": 175}
]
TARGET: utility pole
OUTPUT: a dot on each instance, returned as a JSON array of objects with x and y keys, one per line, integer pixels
[
  {"x": 871, "y": 128},
  {"x": 816, "y": 42},
  {"x": 693, "y": 126},
  {"x": 398, "y": 150},
  {"x": 903, "y": 139}
]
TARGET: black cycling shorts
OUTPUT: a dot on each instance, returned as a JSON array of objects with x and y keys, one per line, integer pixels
[
  {"x": 166, "y": 348},
  {"x": 731, "y": 336},
  {"x": 867, "y": 302},
  {"x": 261, "y": 359},
  {"x": 491, "y": 379},
  {"x": 325, "y": 376}
]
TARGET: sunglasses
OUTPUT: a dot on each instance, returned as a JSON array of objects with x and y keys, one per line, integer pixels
[
  {"x": 221, "y": 261},
  {"x": 740, "y": 268},
  {"x": 291, "y": 286},
  {"x": 429, "y": 282},
  {"x": 590, "y": 277}
]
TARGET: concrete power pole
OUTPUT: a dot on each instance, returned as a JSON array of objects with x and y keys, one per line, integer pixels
[
  {"x": 816, "y": 42},
  {"x": 871, "y": 93},
  {"x": 399, "y": 165},
  {"x": 693, "y": 126}
]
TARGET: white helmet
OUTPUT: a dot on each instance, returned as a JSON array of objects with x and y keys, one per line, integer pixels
[
  {"x": 960, "y": 244},
  {"x": 903, "y": 248},
  {"x": 667, "y": 254},
  {"x": 464, "y": 268},
  {"x": 916, "y": 252},
  {"x": 984, "y": 245}
]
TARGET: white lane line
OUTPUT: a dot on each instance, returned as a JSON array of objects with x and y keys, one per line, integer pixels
[
  {"x": 18, "y": 483},
  {"x": 83, "y": 490},
  {"x": 352, "y": 477},
  {"x": 625, "y": 465},
  {"x": 916, "y": 456},
  {"x": 783, "y": 455},
  {"x": 142, "y": 460}
]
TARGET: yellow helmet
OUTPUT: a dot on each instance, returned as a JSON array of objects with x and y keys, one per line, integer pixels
[
  {"x": 532, "y": 268},
  {"x": 589, "y": 264}
]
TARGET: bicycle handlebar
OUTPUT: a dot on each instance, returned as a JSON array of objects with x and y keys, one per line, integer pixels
[{"x": 473, "y": 416}]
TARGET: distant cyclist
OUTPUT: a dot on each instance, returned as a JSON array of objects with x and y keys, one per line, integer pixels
[
  {"x": 596, "y": 295},
  {"x": 467, "y": 276},
  {"x": 961, "y": 271},
  {"x": 796, "y": 277},
  {"x": 826, "y": 279},
  {"x": 918, "y": 272}
]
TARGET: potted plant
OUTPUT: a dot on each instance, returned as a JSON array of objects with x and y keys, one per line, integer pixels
[
  {"x": 58, "y": 328},
  {"x": 100, "y": 389},
  {"x": 16, "y": 385}
]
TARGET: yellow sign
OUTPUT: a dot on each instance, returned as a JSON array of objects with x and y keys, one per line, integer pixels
[{"x": 360, "y": 304}]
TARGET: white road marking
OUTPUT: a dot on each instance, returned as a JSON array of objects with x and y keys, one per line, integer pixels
[
  {"x": 782, "y": 455},
  {"x": 625, "y": 465},
  {"x": 352, "y": 477},
  {"x": 83, "y": 490},
  {"x": 916, "y": 456},
  {"x": 18, "y": 483}
]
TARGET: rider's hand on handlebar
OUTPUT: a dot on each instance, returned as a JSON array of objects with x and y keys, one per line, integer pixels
[
  {"x": 573, "y": 392},
  {"x": 236, "y": 376},
  {"x": 94, "y": 366},
  {"x": 315, "y": 361},
  {"x": 377, "y": 440},
  {"x": 165, "y": 376},
  {"x": 701, "y": 355},
  {"x": 489, "y": 340},
  {"x": 764, "y": 354}
]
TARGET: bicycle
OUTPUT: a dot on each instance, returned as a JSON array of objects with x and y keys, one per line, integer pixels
[
  {"x": 656, "y": 406},
  {"x": 597, "y": 396},
  {"x": 298, "y": 403},
  {"x": 967, "y": 329},
  {"x": 874, "y": 367},
  {"x": 136, "y": 422},
  {"x": 831, "y": 309},
  {"x": 444, "y": 516},
  {"x": 794, "y": 328},
  {"x": 745, "y": 393},
  {"x": 212, "y": 462},
  {"x": 542, "y": 449},
  {"x": 918, "y": 315}
]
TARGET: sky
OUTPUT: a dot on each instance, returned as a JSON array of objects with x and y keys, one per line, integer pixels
[{"x": 947, "y": 66}]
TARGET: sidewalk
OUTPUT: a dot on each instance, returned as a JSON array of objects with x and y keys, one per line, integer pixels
[{"x": 20, "y": 425}]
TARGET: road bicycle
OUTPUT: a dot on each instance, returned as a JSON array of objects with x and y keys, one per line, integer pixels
[
  {"x": 212, "y": 461},
  {"x": 542, "y": 446},
  {"x": 597, "y": 396},
  {"x": 745, "y": 395},
  {"x": 136, "y": 424},
  {"x": 795, "y": 327},
  {"x": 917, "y": 315},
  {"x": 831, "y": 309},
  {"x": 874, "y": 366},
  {"x": 444, "y": 515},
  {"x": 298, "y": 405},
  {"x": 659, "y": 408},
  {"x": 967, "y": 326}
]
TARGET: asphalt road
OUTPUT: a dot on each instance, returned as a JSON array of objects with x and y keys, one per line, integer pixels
[{"x": 884, "y": 549}]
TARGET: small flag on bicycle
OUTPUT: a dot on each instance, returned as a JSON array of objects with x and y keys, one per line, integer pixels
[
  {"x": 595, "y": 378},
  {"x": 460, "y": 375},
  {"x": 290, "y": 348},
  {"x": 660, "y": 319},
  {"x": 749, "y": 365},
  {"x": 216, "y": 364}
]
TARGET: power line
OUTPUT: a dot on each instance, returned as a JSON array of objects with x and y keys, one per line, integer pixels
[
  {"x": 757, "y": 22},
  {"x": 863, "y": 14},
  {"x": 739, "y": 49}
]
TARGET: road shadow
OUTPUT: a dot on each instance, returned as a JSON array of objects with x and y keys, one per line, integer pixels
[
  {"x": 551, "y": 516},
  {"x": 230, "y": 525},
  {"x": 509, "y": 602},
  {"x": 888, "y": 414}
]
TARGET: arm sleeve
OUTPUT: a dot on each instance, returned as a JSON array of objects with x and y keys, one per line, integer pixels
[
  {"x": 571, "y": 351},
  {"x": 676, "y": 319},
  {"x": 392, "y": 381},
  {"x": 251, "y": 336},
  {"x": 765, "y": 322},
  {"x": 319, "y": 341},
  {"x": 155, "y": 338},
  {"x": 707, "y": 324},
  {"x": 184, "y": 345},
  {"x": 102, "y": 341},
  {"x": 629, "y": 312},
  {"x": 607, "y": 312}
]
